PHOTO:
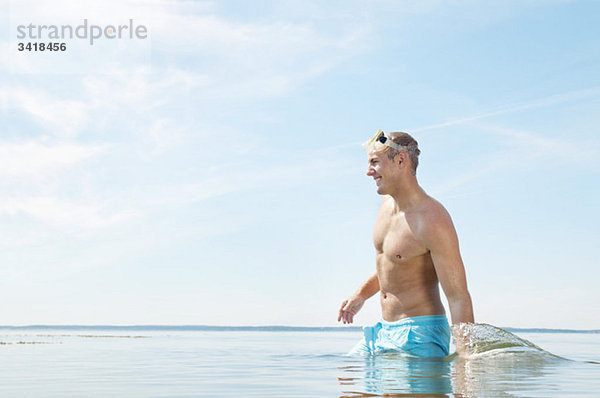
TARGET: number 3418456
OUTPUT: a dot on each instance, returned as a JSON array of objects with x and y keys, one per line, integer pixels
[{"x": 42, "y": 46}]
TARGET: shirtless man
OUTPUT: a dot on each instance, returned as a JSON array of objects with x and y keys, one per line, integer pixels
[{"x": 416, "y": 247}]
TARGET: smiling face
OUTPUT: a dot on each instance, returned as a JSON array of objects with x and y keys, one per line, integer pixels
[{"x": 383, "y": 171}]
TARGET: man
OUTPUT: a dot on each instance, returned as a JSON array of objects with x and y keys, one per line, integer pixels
[{"x": 416, "y": 247}]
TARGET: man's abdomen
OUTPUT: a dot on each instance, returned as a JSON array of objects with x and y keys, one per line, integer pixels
[{"x": 419, "y": 301}]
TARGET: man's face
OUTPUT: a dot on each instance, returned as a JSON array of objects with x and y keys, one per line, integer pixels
[{"x": 381, "y": 168}]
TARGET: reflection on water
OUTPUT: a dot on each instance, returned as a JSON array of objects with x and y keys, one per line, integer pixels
[
  {"x": 396, "y": 375},
  {"x": 496, "y": 363}
]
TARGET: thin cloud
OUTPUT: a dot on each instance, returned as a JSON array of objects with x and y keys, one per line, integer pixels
[
  {"x": 237, "y": 178},
  {"x": 60, "y": 212},
  {"x": 32, "y": 173},
  {"x": 537, "y": 146},
  {"x": 64, "y": 117},
  {"x": 524, "y": 146},
  {"x": 539, "y": 103},
  {"x": 34, "y": 158}
]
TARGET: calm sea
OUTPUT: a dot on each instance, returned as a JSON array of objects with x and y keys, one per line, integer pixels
[{"x": 286, "y": 362}]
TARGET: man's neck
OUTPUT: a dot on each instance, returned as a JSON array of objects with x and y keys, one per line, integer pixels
[{"x": 407, "y": 195}]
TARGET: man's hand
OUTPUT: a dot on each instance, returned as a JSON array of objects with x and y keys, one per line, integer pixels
[{"x": 349, "y": 308}]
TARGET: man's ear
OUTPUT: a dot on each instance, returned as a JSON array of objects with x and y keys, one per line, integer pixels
[{"x": 400, "y": 158}]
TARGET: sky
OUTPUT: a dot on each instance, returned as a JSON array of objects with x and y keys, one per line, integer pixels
[{"x": 211, "y": 173}]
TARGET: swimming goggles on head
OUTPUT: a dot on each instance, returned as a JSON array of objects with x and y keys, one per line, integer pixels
[{"x": 379, "y": 140}]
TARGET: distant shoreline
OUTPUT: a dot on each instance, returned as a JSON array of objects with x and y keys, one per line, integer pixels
[{"x": 211, "y": 328}]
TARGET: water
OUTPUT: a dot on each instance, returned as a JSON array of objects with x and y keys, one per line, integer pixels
[{"x": 200, "y": 362}]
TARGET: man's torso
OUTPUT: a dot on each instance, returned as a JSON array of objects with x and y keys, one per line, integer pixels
[{"x": 407, "y": 277}]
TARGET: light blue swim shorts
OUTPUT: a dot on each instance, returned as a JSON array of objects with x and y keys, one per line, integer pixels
[{"x": 422, "y": 336}]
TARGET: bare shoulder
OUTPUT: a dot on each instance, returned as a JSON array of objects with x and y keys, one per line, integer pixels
[
  {"x": 435, "y": 223},
  {"x": 435, "y": 213}
]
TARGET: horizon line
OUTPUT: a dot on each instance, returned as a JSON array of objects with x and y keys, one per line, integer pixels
[{"x": 259, "y": 328}]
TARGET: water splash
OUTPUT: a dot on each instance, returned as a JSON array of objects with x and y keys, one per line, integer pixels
[{"x": 481, "y": 339}]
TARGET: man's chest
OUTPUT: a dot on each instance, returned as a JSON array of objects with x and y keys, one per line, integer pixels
[{"x": 396, "y": 238}]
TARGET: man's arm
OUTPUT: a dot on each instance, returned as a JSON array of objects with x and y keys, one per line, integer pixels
[
  {"x": 440, "y": 237},
  {"x": 354, "y": 303}
]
